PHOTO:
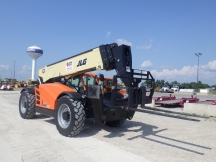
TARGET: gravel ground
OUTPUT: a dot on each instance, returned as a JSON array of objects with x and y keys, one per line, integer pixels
[{"x": 150, "y": 136}]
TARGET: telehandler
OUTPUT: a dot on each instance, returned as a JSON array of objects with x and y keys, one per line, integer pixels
[{"x": 63, "y": 91}]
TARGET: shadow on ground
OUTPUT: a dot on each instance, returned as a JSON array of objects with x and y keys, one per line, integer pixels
[
  {"x": 147, "y": 131},
  {"x": 170, "y": 106},
  {"x": 144, "y": 131}
]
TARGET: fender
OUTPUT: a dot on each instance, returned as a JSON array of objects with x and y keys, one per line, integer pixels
[
  {"x": 50, "y": 112},
  {"x": 29, "y": 90},
  {"x": 74, "y": 95}
]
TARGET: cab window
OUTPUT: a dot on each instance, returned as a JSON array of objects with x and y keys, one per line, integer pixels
[
  {"x": 100, "y": 82},
  {"x": 73, "y": 83},
  {"x": 109, "y": 83},
  {"x": 91, "y": 80}
]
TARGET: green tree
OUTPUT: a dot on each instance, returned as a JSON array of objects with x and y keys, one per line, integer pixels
[
  {"x": 148, "y": 83},
  {"x": 159, "y": 83},
  {"x": 184, "y": 85},
  {"x": 167, "y": 83},
  {"x": 174, "y": 82},
  {"x": 192, "y": 85}
]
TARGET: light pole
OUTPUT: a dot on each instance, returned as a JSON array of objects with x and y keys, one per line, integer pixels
[
  {"x": 14, "y": 69},
  {"x": 198, "y": 55},
  {"x": 11, "y": 77}
]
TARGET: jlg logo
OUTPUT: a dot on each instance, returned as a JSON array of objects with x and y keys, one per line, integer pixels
[{"x": 82, "y": 62}]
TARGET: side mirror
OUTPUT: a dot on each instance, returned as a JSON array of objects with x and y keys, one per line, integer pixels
[{"x": 101, "y": 77}]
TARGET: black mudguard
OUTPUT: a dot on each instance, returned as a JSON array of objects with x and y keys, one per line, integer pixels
[
  {"x": 29, "y": 90},
  {"x": 73, "y": 95}
]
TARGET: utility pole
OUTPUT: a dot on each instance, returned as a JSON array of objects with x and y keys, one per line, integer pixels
[
  {"x": 14, "y": 69},
  {"x": 198, "y": 55},
  {"x": 11, "y": 77}
]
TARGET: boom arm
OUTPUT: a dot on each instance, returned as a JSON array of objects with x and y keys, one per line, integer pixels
[
  {"x": 83, "y": 62},
  {"x": 104, "y": 57}
]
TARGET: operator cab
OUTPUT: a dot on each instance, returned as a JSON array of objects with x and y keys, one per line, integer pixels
[{"x": 81, "y": 82}]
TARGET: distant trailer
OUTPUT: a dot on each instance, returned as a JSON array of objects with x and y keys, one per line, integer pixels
[
  {"x": 213, "y": 101},
  {"x": 164, "y": 98},
  {"x": 171, "y": 100},
  {"x": 168, "y": 102}
]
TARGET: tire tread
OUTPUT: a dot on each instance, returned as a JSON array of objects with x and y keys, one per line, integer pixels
[{"x": 79, "y": 116}]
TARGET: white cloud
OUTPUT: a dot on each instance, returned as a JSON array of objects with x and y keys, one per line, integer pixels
[
  {"x": 188, "y": 73},
  {"x": 146, "y": 64},
  {"x": 146, "y": 46},
  {"x": 166, "y": 73},
  {"x": 108, "y": 33},
  {"x": 123, "y": 41},
  {"x": 211, "y": 65},
  {"x": 25, "y": 69},
  {"x": 22, "y": 72},
  {"x": 4, "y": 67}
]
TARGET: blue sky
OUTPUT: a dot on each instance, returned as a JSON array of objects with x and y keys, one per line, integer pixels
[{"x": 164, "y": 35}]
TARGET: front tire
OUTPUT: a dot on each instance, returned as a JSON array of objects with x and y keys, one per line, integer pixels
[
  {"x": 27, "y": 105},
  {"x": 69, "y": 116}
]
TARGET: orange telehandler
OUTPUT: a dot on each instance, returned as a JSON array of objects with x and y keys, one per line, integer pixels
[{"x": 64, "y": 92}]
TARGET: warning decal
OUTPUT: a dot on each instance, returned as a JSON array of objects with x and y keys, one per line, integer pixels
[{"x": 69, "y": 66}]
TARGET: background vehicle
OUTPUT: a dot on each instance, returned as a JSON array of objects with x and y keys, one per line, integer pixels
[
  {"x": 6, "y": 84},
  {"x": 4, "y": 81},
  {"x": 3, "y": 87},
  {"x": 165, "y": 88},
  {"x": 6, "y": 87},
  {"x": 157, "y": 89},
  {"x": 9, "y": 87},
  {"x": 108, "y": 82},
  {"x": 65, "y": 92},
  {"x": 175, "y": 88}
]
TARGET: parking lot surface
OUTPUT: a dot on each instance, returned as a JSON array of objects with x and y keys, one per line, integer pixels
[{"x": 150, "y": 136}]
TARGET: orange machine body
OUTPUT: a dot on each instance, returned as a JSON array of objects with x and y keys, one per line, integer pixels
[{"x": 46, "y": 95}]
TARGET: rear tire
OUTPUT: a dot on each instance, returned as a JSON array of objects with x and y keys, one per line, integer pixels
[
  {"x": 27, "y": 105},
  {"x": 69, "y": 116},
  {"x": 115, "y": 123}
]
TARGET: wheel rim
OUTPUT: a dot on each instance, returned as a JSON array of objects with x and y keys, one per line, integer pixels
[
  {"x": 64, "y": 116},
  {"x": 23, "y": 104}
]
